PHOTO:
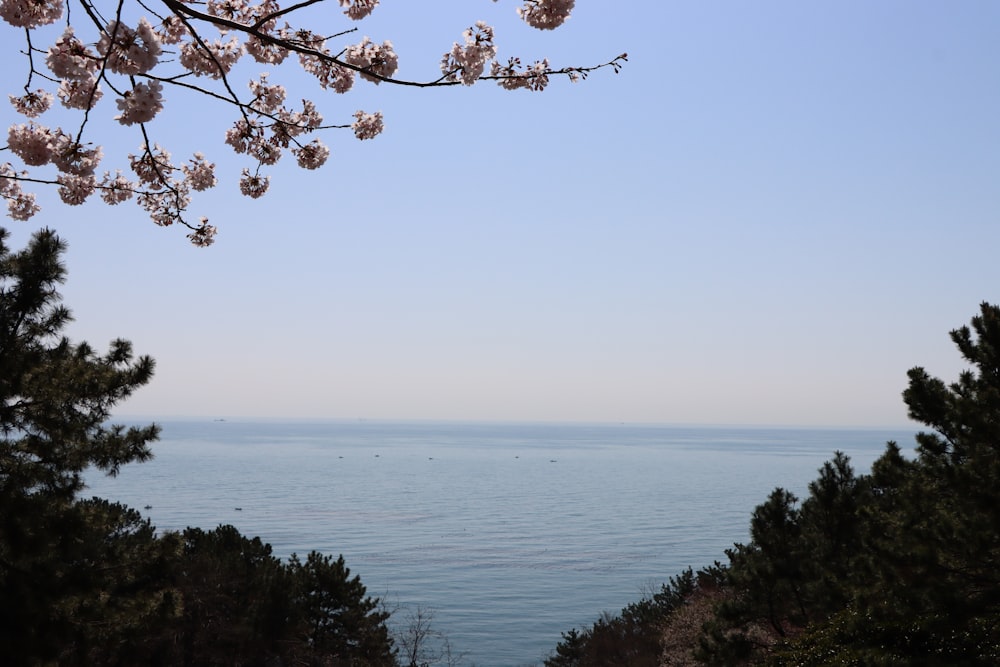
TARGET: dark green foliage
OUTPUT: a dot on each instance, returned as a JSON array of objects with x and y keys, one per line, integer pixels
[
  {"x": 88, "y": 582},
  {"x": 55, "y": 399},
  {"x": 335, "y": 614},
  {"x": 897, "y": 567},
  {"x": 633, "y": 637}
]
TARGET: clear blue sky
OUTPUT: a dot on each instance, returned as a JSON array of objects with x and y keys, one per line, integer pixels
[{"x": 773, "y": 212}]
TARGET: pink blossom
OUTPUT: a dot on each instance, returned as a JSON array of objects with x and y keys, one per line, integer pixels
[
  {"x": 358, "y": 9},
  {"x": 30, "y": 13},
  {"x": 204, "y": 235},
  {"x": 267, "y": 99},
  {"x": 32, "y": 104},
  {"x": 22, "y": 206},
  {"x": 328, "y": 73},
  {"x": 292, "y": 124},
  {"x": 70, "y": 157},
  {"x": 254, "y": 186},
  {"x": 466, "y": 63},
  {"x": 245, "y": 135},
  {"x": 267, "y": 152},
  {"x": 130, "y": 51},
  {"x": 79, "y": 93},
  {"x": 264, "y": 52},
  {"x": 313, "y": 155},
  {"x": 141, "y": 104},
  {"x": 535, "y": 77},
  {"x": 165, "y": 206},
  {"x": 68, "y": 58},
  {"x": 74, "y": 190},
  {"x": 367, "y": 125},
  {"x": 375, "y": 61},
  {"x": 215, "y": 62},
  {"x": 231, "y": 10},
  {"x": 200, "y": 174},
  {"x": 546, "y": 14},
  {"x": 152, "y": 166},
  {"x": 8, "y": 180},
  {"x": 31, "y": 143},
  {"x": 172, "y": 30},
  {"x": 115, "y": 190}
]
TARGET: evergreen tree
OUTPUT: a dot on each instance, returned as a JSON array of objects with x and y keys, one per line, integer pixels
[
  {"x": 55, "y": 400},
  {"x": 88, "y": 582}
]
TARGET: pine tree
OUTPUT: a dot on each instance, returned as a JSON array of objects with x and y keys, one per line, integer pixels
[{"x": 55, "y": 400}]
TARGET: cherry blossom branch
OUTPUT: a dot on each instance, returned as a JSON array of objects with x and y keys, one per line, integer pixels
[{"x": 127, "y": 60}]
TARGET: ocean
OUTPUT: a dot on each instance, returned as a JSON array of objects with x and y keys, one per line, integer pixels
[{"x": 506, "y": 535}]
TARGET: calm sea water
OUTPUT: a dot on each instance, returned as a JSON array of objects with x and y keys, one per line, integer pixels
[{"x": 508, "y": 534}]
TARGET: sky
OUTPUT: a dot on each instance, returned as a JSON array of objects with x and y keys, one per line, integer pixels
[{"x": 767, "y": 217}]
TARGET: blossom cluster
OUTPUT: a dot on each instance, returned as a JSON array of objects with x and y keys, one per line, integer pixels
[
  {"x": 137, "y": 59},
  {"x": 30, "y": 13},
  {"x": 510, "y": 77},
  {"x": 546, "y": 14},
  {"x": 466, "y": 62},
  {"x": 367, "y": 125},
  {"x": 374, "y": 62}
]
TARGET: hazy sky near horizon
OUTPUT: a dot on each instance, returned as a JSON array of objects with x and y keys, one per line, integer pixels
[{"x": 767, "y": 217}]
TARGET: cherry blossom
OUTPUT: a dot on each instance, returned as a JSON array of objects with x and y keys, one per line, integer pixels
[
  {"x": 374, "y": 61},
  {"x": 140, "y": 104},
  {"x": 533, "y": 78},
  {"x": 117, "y": 189},
  {"x": 466, "y": 63},
  {"x": 30, "y": 143},
  {"x": 33, "y": 104},
  {"x": 79, "y": 93},
  {"x": 138, "y": 50},
  {"x": 74, "y": 190},
  {"x": 152, "y": 165},
  {"x": 367, "y": 125},
  {"x": 313, "y": 155},
  {"x": 200, "y": 174},
  {"x": 68, "y": 58},
  {"x": 254, "y": 186},
  {"x": 30, "y": 13},
  {"x": 546, "y": 14},
  {"x": 129, "y": 51},
  {"x": 358, "y": 9},
  {"x": 204, "y": 235},
  {"x": 214, "y": 59}
]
